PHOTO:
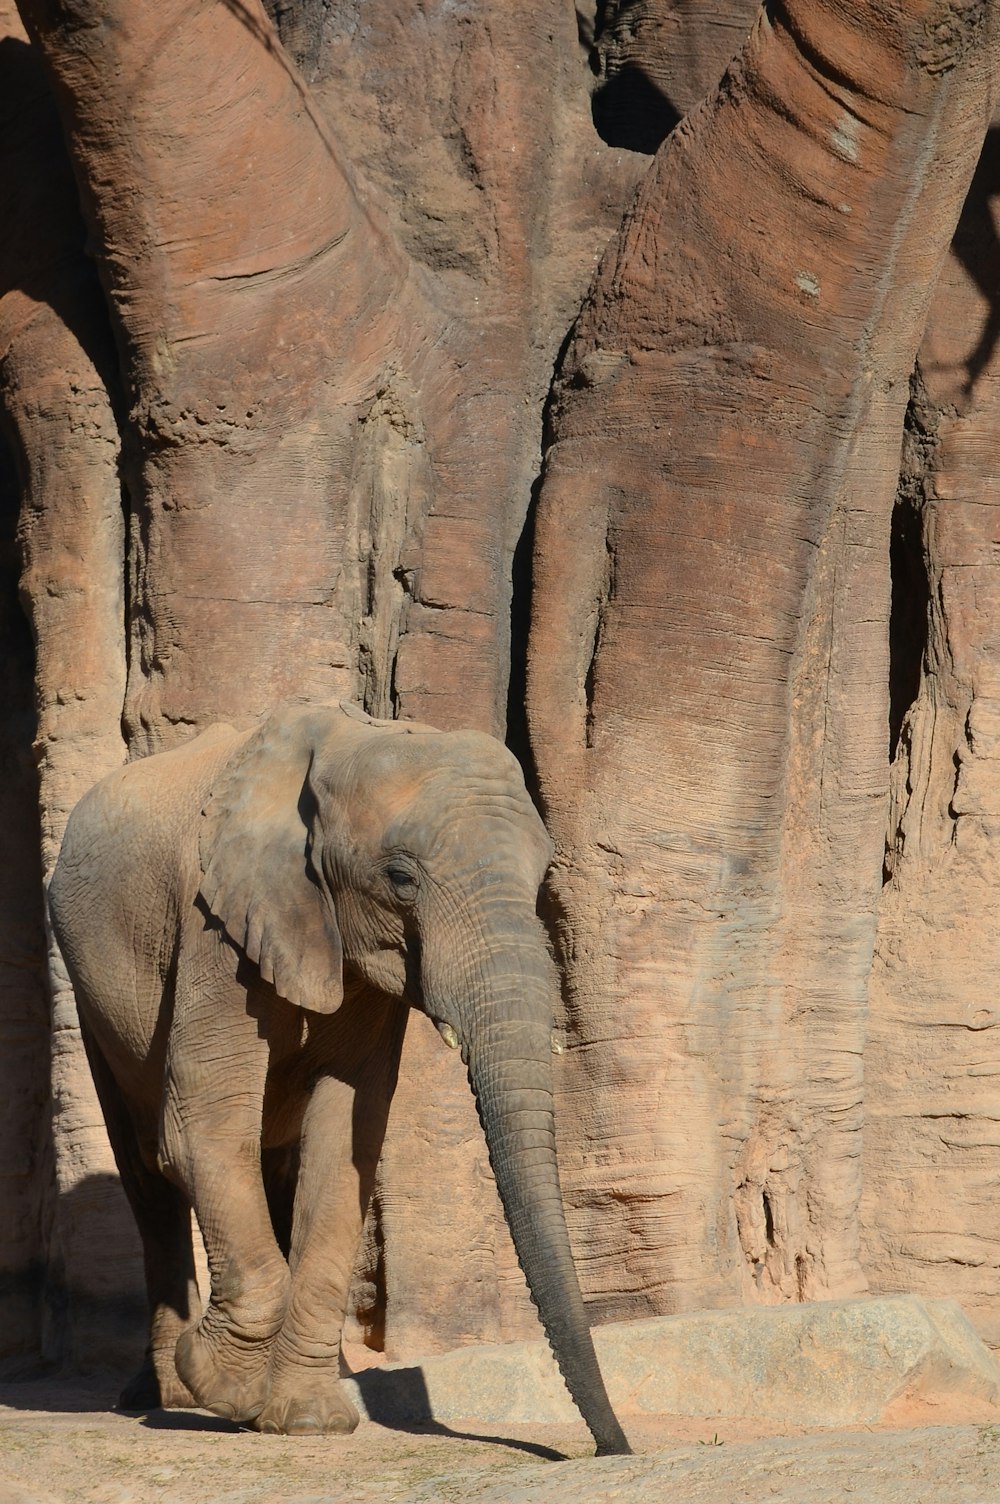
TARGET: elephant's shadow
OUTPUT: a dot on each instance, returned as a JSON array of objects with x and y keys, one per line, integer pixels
[{"x": 396, "y": 1399}]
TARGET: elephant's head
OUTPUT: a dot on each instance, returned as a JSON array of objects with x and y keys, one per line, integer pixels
[{"x": 414, "y": 857}]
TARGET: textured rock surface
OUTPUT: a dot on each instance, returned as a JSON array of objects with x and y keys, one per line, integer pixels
[
  {"x": 23, "y": 1003},
  {"x": 288, "y": 445},
  {"x": 334, "y": 363},
  {"x": 708, "y": 677},
  {"x": 831, "y": 1363},
  {"x": 56, "y": 367},
  {"x": 930, "y": 1212}
]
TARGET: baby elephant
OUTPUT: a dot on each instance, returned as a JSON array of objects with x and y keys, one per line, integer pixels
[{"x": 246, "y": 920}]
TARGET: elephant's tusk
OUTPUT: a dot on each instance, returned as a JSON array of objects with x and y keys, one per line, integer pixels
[
  {"x": 448, "y": 1035},
  {"x": 558, "y": 1047}
]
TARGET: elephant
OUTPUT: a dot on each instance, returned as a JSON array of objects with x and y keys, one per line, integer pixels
[{"x": 247, "y": 920}]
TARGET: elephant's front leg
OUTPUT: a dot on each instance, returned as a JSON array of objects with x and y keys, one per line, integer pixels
[
  {"x": 341, "y": 1141},
  {"x": 210, "y": 1145}
]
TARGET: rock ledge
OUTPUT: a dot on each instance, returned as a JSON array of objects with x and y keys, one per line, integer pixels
[{"x": 830, "y": 1363}]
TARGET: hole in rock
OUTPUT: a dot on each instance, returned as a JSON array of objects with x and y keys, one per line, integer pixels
[{"x": 908, "y": 613}]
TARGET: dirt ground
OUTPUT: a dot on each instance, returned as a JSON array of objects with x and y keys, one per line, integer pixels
[{"x": 60, "y": 1442}]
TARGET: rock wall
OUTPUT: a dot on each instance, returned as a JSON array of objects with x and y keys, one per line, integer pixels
[
  {"x": 932, "y": 1060},
  {"x": 327, "y": 503},
  {"x": 288, "y": 428},
  {"x": 24, "y": 1118},
  {"x": 708, "y": 675},
  {"x": 66, "y": 598}
]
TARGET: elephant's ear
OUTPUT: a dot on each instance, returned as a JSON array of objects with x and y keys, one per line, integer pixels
[{"x": 257, "y": 876}]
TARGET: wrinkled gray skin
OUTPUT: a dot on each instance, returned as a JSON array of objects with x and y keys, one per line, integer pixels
[{"x": 246, "y": 919}]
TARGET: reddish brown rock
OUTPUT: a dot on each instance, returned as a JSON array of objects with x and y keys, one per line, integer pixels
[
  {"x": 932, "y": 1057},
  {"x": 331, "y": 298},
  {"x": 56, "y": 372},
  {"x": 707, "y": 670},
  {"x": 328, "y": 453}
]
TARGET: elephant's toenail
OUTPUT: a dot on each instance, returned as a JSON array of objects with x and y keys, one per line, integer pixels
[{"x": 302, "y": 1424}]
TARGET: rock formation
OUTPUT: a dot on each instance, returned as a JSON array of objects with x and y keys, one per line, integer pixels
[{"x": 574, "y": 377}]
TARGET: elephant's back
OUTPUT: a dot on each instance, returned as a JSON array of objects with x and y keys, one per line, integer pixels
[
  {"x": 126, "y": 874},
  {"x": 149, "y": 802}
]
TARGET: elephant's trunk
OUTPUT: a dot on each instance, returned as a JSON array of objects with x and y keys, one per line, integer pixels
[{"x": 506, "y": 1034}]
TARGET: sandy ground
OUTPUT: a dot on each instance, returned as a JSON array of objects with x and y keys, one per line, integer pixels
[{"x": 61, "y": 1442}]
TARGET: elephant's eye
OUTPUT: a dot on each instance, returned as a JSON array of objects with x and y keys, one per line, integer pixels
[{"x": 403, "y": 879}]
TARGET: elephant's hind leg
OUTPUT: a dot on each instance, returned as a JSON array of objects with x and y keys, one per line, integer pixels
[
  {"x": 163, "y": 1217},
  {"x": 280, "y": 1169},
  {"x": 175, "y": 1304}
]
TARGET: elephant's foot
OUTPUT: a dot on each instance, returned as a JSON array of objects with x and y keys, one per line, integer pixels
[
  {"x": 313, "y": 1408},
  {"x": 225, "y": 1372},
  {"x": 156, "y": 1387},
  {"x": 143, "y": 1391}
]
